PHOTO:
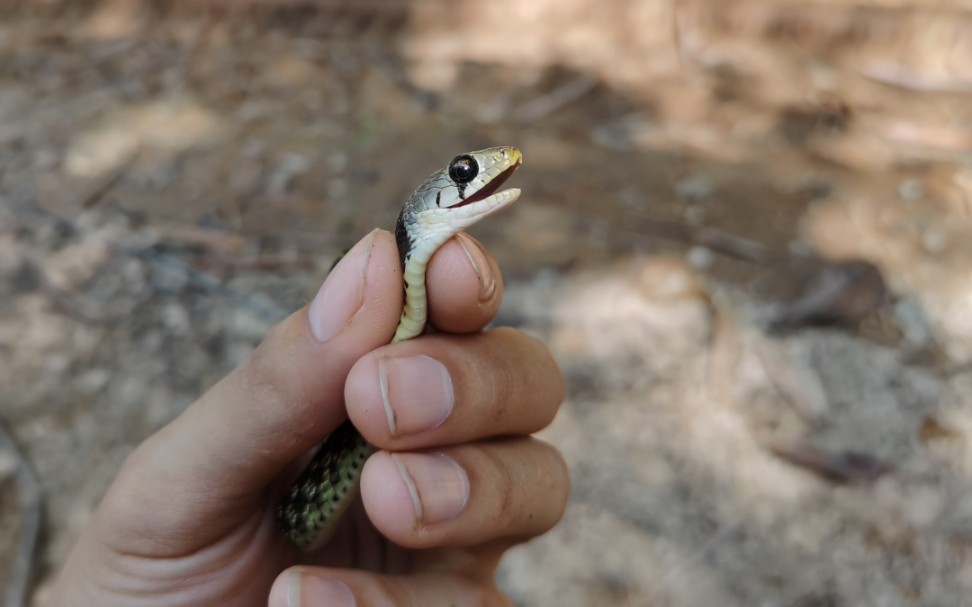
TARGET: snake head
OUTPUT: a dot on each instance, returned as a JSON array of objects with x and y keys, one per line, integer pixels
[
  {"x": 456, "y": 197},
  {"x": 475, "y": 178}
]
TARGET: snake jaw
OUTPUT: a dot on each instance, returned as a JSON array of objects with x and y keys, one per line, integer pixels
[
  {"x": 462, "y": 216},
  {"x": 490, "y": 187},
  {"x": 459, "y": 205}
]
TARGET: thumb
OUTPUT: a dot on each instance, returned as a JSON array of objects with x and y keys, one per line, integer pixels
[{"x": 281, "y": 401}]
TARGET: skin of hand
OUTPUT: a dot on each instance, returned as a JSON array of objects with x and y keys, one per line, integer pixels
[{"x": 457, "y": 479}]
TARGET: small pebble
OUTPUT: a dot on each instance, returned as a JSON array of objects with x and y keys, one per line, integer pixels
[
  {"x": 934, "y": 240},
  {"x": 694, "y": 188},
  {"x": 911, "y": 190},
  {"x": 8, "y": 464},
  {"x": 700, "y": 257}
]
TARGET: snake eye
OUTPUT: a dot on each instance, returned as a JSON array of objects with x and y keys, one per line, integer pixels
[{"x": 463, "y": 169}]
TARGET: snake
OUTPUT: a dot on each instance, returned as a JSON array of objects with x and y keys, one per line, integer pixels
[{"x": 448, "y": 201}]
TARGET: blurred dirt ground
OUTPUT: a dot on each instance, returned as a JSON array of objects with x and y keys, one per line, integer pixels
[{"x": 175, "y": 177}]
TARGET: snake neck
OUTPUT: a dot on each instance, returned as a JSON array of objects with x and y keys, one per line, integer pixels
[{"x": 415, "y": 310}]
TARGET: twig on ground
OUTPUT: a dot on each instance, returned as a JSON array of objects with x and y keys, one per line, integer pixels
[
  {"x": 31, "y": 499},
  {"x": 716, "y": 240},
  {"x": 195, "y": 236},
  {"x": 900, "y": 76},
  {"x": 559, "y": 98},
  {"x": 256, "y": 263},
  {"x": 92, "y": 192}
]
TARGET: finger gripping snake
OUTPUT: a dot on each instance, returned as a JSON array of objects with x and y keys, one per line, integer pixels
[{"x": 449, "y": 201}]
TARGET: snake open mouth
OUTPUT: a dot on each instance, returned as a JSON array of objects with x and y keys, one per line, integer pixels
[{"x": 492, "y": 187}]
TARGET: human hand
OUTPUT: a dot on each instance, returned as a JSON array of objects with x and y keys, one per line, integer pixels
[{"x": 190, "y": 518}]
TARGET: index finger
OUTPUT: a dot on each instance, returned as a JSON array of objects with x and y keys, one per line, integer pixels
[{"x": 465, "y": 287}]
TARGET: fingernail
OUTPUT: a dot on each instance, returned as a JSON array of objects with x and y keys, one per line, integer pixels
[
  {"x": 477, "y": 259},
  {"x": 307, "y": 590},
  {"x": 341, "y": 294},
  {"x": 438, "y": 486},
  {"x": 416, "y": 392}
]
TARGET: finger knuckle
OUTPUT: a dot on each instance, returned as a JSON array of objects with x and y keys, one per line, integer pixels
[
  {"x": 553, "y": 483},
  {"x": 502, "y": 485}
]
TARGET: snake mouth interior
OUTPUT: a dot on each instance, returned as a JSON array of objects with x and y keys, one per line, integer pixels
[{"x": 490, "y": 188}]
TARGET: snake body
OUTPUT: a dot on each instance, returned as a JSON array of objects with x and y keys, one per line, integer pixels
[{"x": 449, "y": 201}]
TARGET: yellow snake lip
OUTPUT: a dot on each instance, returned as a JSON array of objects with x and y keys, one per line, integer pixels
[{"x": 493, "y": 185}]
